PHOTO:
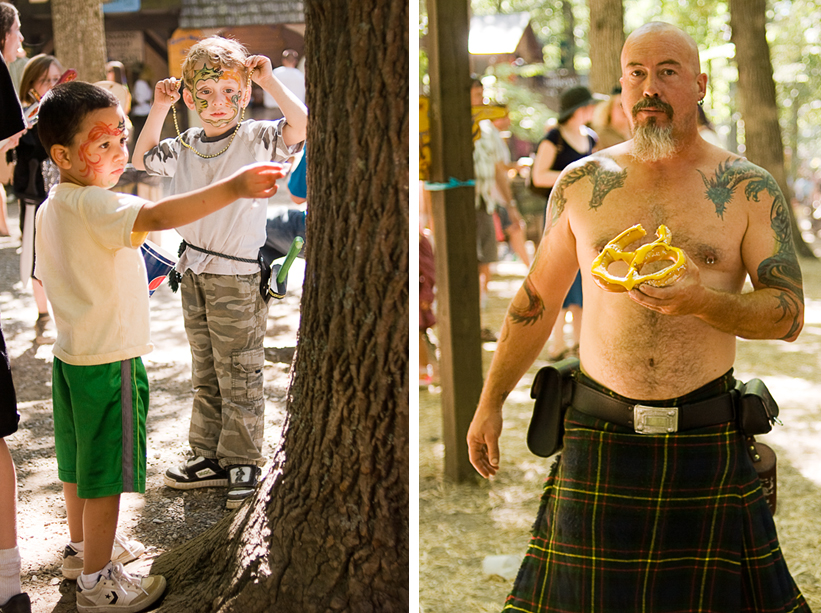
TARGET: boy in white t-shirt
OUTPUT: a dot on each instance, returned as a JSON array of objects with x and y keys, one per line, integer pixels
[
  {"x": 224, "y": 311},
  {"x": 88, "y": 258}
]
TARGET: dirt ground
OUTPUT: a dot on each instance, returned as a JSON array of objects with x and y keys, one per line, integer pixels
[
  {"x": 461, "y": 524},
  {"x": 162, "y": 518}
]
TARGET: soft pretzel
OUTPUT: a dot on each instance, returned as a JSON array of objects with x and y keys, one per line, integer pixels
[{"x": 659, "y": 249}]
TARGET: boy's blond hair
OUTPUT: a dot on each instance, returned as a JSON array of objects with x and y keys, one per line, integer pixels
[{"x": 220, "y": 52}]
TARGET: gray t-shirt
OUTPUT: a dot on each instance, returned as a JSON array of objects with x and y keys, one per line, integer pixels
[{"x": 239, "y": 228}]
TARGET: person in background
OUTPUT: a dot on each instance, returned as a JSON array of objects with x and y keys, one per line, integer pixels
[
  {"x": 140, "y": 101},
  {"x": 610, "y": 122},
  {"x": 706, "y": 130},
  {"x": 570, "y": 141},
  {"x": 12, "y": 124},
  {"x": 291, "y": 77},
  {"x": 40, "y": 75},
  {"x": 513, "y": 226},
  {"x": 286, "y": 223},
  {"x": 11, "y": 41}
]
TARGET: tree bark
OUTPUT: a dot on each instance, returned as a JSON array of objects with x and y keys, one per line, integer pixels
[
  {"x": 568, "y": 43},
  {"x": 328, "y": 530},
  {"x": 756, "y": 97},
  {"x": 79, "y": 37},
  {"x": 606, "y": 41}
]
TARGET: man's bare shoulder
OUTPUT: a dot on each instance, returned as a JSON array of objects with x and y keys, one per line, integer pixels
[
  {"x": 595, "y": 176},
  {"x": 727, "y": 178}
]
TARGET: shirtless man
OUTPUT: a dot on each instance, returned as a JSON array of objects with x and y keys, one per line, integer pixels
[{"x": 669, "y": 346}]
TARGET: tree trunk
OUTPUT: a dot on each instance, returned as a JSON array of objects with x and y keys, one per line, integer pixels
[
  {"x": 79, "y": 37},
  {"x": 756, "y": 96},
  {"x": 328, "y": 530},
  {"x": 568, "y": 43},
  {"x": 606, "y": 41}
]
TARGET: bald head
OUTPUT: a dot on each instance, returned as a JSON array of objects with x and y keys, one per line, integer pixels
[{"x": 660, "y": 32}]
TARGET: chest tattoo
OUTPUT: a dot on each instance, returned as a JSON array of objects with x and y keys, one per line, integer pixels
[
  {"x": 604, "y": 181},
  {"x": 721, "y": 187}
]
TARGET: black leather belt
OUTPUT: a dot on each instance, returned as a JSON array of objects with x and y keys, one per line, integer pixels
[{"x": 646, "y": 419}]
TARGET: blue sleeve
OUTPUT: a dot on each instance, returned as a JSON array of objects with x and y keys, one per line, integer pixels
[{"x": 297, "y": 183}]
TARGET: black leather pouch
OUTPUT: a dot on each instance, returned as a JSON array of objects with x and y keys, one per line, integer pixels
[
  {"x": 553, "y": 392},
  {"x": 265, "y": 277},
  {"x": 757, "y": 410}
]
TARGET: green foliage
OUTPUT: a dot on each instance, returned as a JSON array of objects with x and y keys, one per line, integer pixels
[
  {"x": 508, "y": 85},
  {"x": 793, "y": 31}
]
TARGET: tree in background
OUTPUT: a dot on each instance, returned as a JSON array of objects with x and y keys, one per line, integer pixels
[
  {"x": 79, "y": 37},
  {"x": 756, "y": 90},
  {"x": 606, "y": 41},
  {"x": 328, "y": 530}
]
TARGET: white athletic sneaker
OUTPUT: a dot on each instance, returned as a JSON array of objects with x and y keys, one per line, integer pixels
[
  {"x": 125, "y": 551},
  {"x": 119, "y": 592}
]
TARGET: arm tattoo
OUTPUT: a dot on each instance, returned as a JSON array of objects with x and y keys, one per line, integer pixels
[
  {"x": 604, "y": 181},
  {"x": 535, "y": 307},
  {"x": 781, "y": 270}
]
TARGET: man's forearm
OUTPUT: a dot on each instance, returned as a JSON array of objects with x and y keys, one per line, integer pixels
[
  {"x": 525, "y": 331},
  {"x": 766, "y": 313}
]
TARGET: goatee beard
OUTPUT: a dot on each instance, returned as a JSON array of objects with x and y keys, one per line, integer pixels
[{"x": 652, "y": 143}]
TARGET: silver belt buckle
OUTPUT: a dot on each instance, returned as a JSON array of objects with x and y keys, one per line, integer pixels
[{"x": 655, "y": 420}]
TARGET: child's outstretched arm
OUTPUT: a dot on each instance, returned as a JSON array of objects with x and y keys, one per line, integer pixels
[
  {"x": 252, "y": 181},
  {"x": 296, "y": 115},
  {"x": 166, "y": 94}
]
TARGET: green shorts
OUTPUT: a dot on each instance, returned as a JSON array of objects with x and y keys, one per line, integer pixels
[{"x": 99, "y": 426}]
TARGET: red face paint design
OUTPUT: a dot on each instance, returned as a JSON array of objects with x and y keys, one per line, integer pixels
[{"x": 93, "y": 162}]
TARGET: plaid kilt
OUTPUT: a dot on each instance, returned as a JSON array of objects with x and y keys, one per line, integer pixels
[{"x": 634, "y": 523}]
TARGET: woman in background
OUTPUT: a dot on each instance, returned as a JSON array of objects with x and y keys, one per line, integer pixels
[
  {"x": 571, "y": 140},
  {"x": 40, "y": 74}
]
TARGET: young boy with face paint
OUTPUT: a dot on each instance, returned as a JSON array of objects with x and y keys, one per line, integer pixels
[
  {"x": 88, "y": 258},
  {"x": 224, "y": 311}
]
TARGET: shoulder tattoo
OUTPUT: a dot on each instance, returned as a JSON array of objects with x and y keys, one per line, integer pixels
[
  {"x": 604, "y": 181},
  {"x": 728, "y": 176},
  {"x": 781, "y": 270}
]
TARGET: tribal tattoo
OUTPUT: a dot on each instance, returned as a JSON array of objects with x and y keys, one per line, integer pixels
[
  {"x": 93, "y": 163},
  {"x": 604, "y": 181},
  {"x": 535, "y": 306},
  {"x": 780, "y": 271}
]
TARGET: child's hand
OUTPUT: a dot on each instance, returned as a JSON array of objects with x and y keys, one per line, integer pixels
[
  {"x": 261, "y": 66},
  {"x": 257, "y": 180},
  {"x": 167, "y": 91}
]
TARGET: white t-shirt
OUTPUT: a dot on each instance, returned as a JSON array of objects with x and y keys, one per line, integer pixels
[
  {"x": 239, "y": 228},
  {"x": 293, "y": 79},
  {"x": 93, "y": 275},
  {"x": 141, "y": 98}
]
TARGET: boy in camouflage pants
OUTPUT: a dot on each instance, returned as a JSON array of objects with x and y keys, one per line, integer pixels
[{"x": 225, "y": 314}]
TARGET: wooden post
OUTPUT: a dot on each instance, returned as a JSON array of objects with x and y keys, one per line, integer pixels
[{"x": 454, "y": 225}]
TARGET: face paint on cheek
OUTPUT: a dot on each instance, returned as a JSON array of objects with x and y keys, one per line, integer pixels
[
  {"x": 204, "y": 74},
  {"x": 92, "y": 163}
]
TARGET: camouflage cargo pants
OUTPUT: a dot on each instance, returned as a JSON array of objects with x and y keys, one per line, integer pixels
[{"x": 225, "y": 319}]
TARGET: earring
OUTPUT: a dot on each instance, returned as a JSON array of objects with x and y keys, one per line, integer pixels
[{"x": 701, "y": 102}]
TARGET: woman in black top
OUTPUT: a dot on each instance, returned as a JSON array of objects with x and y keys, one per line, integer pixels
[{"x": 569, "y": 141}]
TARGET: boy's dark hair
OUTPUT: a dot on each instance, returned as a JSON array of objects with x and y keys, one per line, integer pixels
[{"x": 64, "y": 108}]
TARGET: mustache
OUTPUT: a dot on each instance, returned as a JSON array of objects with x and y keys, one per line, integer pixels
[{"x": 652, "y": 103}]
